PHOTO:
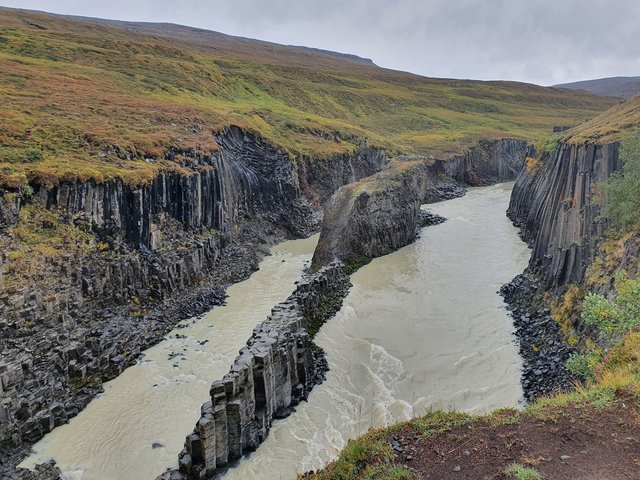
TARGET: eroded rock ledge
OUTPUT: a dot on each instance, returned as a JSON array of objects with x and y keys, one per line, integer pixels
[
  {"x": 380, "y": 214},
  {"x": 272, "y": 374}
]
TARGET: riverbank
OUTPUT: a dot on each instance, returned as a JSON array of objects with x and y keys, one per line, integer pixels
[
  {"x": 582, "y": 436},
  {"x": 542, "y": 346}
]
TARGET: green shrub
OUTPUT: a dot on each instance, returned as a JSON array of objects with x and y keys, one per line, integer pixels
[
  {"x": 18, "y": 155},
  {"x": 520, "y": 472},
  {"x": 618, "y": 315},
  {"x": 622, "y": 204},
  {"x": 578, "y": 364},
  {"x": 546, "y": 147}
]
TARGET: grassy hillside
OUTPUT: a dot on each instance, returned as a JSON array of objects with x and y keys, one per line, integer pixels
[
  {"x": 614, "y": 124},
  {"x": 94, "y": 99}
]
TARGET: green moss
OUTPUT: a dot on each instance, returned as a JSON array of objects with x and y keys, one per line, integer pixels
[
  {"x": 547, "y": 146},
  {"x": 371, "y": 454},
  {"x": 439, "y": 422},
  {"x": 354, "y": 264},
  {"x": 389, "y": 472}
]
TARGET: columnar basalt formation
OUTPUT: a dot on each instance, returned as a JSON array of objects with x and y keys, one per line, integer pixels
[
  {"x": 488, "y": 162},
  {"x": 272, "y": 374},
  {"x": 381, "y": 213},
  {"x": 558, "y": 209},
  {"x": 168, "y": 249}
]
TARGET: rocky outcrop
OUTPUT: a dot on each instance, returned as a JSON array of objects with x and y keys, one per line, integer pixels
[
  {"x": 320, "y": 178},
  {"x": 488, "y": 162},
  {"x": 375, "y": 216},
  {"x": 166, "y": 252},
  {"x": 381, "y": 213},
  {"x": 558, "y": 209},
  {"x": 272, "y": 374}
]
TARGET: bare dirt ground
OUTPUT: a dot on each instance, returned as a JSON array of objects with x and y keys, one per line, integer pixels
[{"x": 577, "y": 442}]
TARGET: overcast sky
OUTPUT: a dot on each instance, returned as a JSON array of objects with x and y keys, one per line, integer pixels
[{"x": 538, "y": 41}]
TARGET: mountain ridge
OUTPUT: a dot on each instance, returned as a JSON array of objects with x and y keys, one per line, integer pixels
[{"x": 622, "y": 87}]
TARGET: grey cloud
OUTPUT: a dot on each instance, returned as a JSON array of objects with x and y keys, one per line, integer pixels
[{"x": 539, "y": 41}]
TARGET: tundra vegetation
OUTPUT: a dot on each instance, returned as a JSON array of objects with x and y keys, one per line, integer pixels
[{"x": 98, "y": 100}]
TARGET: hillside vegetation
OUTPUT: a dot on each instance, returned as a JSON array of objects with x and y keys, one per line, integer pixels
[
  {"x": 614, "y": 124},
  {"x": 84, "y": 99}
]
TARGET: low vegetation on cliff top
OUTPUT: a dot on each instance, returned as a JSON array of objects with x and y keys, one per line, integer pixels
[
  {"x": 616, "y": 123},
  {"x": 92, "y": 99}
]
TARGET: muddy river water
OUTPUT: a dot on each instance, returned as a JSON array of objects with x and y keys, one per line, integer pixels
[{"x": 421, "y": 329}]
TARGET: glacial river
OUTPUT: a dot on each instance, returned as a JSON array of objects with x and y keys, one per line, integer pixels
[{"x": 422, "y": 328}]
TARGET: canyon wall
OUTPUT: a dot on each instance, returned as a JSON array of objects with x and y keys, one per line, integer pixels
[
  {"x": 558, "y": 209},
  {"x": 488, "y": 162},
  {"x": 272, "y": 374},
  {"x": 557, "y": 203},
  {"x": 382, "y": 213},
  {"x": 166, "y": 252}
]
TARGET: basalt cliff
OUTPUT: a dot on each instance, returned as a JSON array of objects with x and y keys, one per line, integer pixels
[
  {"x": 558, "y": 209},
  {"x": 381, "y": 213},
  {"x": 171, "y": 247}
]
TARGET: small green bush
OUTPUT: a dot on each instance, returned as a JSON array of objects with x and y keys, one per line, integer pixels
[
  {"x": 622, "y": 201},
  {"x": 616, "y": 316},
  {"x": 579, "y": 365},
  {"x": 16, "y": 155},
  {"x": 520, "y": 472}
]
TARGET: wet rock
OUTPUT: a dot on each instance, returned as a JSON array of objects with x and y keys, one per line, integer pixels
[
  {"x": 539, "y": 339},
  {"x": 273, "y": 373}
]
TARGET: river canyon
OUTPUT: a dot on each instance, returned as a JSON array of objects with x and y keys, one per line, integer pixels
[{"x": 422, "y": 328}]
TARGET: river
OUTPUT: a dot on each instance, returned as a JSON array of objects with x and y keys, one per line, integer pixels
[
  {"x": 422, "y": 328},
  {"x": 157, "y": 401}
]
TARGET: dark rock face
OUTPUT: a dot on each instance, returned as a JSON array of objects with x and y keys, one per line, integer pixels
[
  {"x": 325, "y": 176},
  {"x": 272, "y": 374},
  {"x": 380, "y": 214},
  {"x": 558, "y": 210},
  {"x": 173, "y": 246},
  {"x": 374, "y": 217},
  {"x": 488, "y": 162}
]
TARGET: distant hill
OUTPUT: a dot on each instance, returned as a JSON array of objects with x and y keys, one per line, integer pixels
[
  {"x": 622, "y": 87},
  {"x": 200, "y": 36}
]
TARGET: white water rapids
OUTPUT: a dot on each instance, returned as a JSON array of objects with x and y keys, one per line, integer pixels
[{"x": 422, "y": 328}]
